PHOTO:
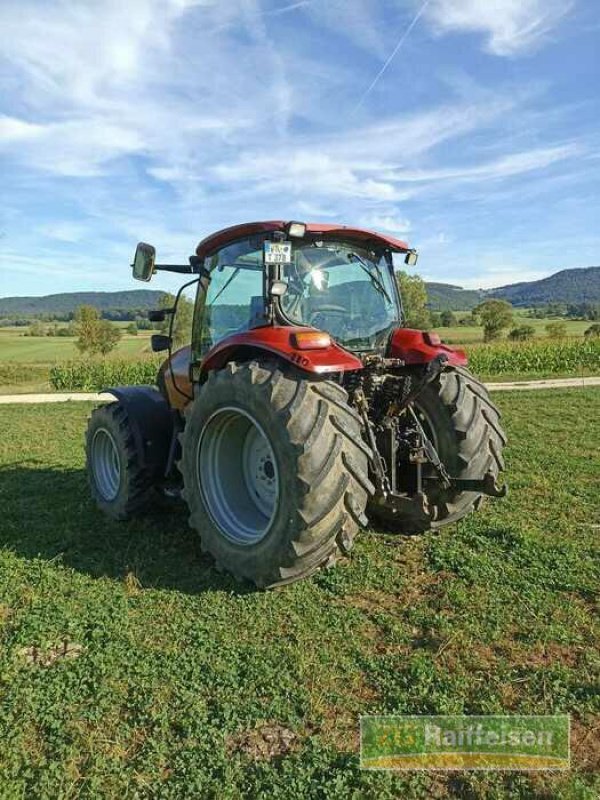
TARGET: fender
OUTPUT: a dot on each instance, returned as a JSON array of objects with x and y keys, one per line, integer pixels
[
  {"x": 152, "y": 424},
  {"x": 279, "y": 342},
  {"x": 174, "y": 378},
  {"x": 416, "y": 347}
]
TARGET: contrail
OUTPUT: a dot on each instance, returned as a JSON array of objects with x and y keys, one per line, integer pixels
[
  {"x": 284, "y": 9},
  {"x": 392, "y": 56}
]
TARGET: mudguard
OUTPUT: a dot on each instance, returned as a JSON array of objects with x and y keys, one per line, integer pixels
[
  {"x": 152, "y": 424},
  {"x": 279, "y": 341},
  {"x": 415, "y": 347}
]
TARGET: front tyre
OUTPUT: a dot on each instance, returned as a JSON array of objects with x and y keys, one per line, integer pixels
[{"x": 275, "y": 472}]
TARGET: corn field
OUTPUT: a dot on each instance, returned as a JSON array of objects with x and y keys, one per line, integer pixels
[
  {"x": 93, "y": 376},
  {"x": 502, "y": 358},
  {"x": 530, "y": 358}
]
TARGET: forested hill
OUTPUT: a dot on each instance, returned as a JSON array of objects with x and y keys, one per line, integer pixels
[
  {"x": 446, "y": 297},
  {"x": 568, "y": 286},
  {"x": 65, "y": 304}
]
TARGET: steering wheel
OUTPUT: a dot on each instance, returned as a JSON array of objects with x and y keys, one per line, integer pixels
[{"x": 328, "y": 308}]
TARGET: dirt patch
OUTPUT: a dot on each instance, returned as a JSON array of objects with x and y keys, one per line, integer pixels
[
  {"x": 585, "y": 744},
  {"x": 264, "y": 742},
  {"x": 45, "y": 657}
]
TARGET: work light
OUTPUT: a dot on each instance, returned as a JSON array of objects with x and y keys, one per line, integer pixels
[{"x": 296, "y": 230}]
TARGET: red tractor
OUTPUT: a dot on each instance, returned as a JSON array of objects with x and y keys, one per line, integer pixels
[{"x": 300, "y": 406}]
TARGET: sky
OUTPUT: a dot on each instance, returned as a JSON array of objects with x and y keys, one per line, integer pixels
[{"x": 470, "y": 128}]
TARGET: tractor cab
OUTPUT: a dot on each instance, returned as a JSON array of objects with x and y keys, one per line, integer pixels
[{"x": 322, "y": 277}]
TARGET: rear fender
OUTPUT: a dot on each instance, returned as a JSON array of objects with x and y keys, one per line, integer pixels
[
  {"x": 278, "y": 341},
  {"x": 152, "y": 424},
  {"x": 414, "y": 347}
]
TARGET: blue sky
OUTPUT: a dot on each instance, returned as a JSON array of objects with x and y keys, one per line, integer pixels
[{"x": 468, "y": 127}]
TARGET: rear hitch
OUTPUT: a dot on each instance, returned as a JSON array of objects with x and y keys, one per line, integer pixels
[
  {"x": 380, "y": 474},
  {"x": 427, "y": 452},
  {"x": 486, "y": 485}
]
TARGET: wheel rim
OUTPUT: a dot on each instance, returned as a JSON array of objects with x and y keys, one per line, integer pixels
[
  {"x": 238, "y": 475},
  {"x": 106, "y": 467}
]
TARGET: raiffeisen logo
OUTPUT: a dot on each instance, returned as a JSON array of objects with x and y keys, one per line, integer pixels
[{"x": 459, "y": 742}]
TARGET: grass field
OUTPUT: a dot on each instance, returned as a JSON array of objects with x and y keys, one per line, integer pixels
[
  {"x": 130, "y": 668},
  {"x": 463, "y": 334},
  {"x": 50, "y": 349}
]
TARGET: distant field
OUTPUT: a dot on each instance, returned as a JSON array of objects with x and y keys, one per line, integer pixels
[
  {"x": 50, "y": 349},
  {"x": 25, "y": 361},
  {"x": 462, "y": 334}
]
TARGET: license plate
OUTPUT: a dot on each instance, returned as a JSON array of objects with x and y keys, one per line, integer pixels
[{"x": 278, "y": 252}]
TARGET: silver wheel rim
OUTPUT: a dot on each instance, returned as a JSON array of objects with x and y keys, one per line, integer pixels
[
  {"x": 238, "y": 475},
  {"x": 106, "y": 467}
]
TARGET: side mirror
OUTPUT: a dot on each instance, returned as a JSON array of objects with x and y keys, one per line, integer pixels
[
  {"x": 411, "y": 258},
  {"x": 160, "y": 342},
  {"x": 143, "y": 262},
  {"x": 159, "y": 314}
]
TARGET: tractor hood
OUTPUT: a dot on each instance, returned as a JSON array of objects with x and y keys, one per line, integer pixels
[{"x": 219, "y": 239}]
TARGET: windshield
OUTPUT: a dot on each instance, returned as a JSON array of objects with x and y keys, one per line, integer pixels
[{"x": 343, "y": 289}]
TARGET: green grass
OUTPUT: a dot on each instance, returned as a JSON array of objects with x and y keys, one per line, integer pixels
[{"x": 180, "y": 669}]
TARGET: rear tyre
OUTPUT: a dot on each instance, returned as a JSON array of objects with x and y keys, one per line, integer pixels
[
  {"x": 118, "y": 483},
  {"x": 464, "y": 426},
  {"x": 275, "y": 472}
]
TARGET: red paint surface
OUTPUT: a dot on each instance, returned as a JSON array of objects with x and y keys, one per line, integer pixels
[
  {"x": 278, "y": 340},
  {"x": 223, "y": 237},
  {"x": 410, "y": 345}
]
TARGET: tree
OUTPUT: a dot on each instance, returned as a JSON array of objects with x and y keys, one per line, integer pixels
[
  {"x": 94, "y": 334},
  {"x": 108, "y": 337},
  {"x": 132, "y": 329},
  {"x": 37, "y": 329},
  {"x": 522, "y": 333},
  {"x": 448, "y": 319},
  {"x": 414, "y": 298},
  {"x": 495, "y": 315},
  {"x": 593, "y": 332},
  {"x": 182, "y": 322},
  {"x": 556, "y": 330}
]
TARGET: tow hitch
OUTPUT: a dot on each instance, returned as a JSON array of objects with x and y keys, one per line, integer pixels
[{"x": 486, "y": 485}]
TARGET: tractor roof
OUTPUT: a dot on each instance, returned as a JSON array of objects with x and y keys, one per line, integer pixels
[{"x": 223, "y": 237}]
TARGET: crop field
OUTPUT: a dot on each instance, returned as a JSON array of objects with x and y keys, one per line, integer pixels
[
  {"x": 26, "y": 361},
  {"x": 40, "y": 364},
  {"x": 130, "y": 668}
]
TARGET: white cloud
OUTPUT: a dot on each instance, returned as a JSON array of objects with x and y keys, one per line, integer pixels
[
  {"x": 64, "y": 231},
  {"x": 492, "y": 276},
  {"x": 387, "y": 221},
  {"x": 504, "y": 167},
  {"x": 510, "y": 26},
  {"x": 76, "y": 148}
]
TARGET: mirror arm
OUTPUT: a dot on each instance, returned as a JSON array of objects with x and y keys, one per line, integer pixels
[{"x": 182, "y": 269}]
